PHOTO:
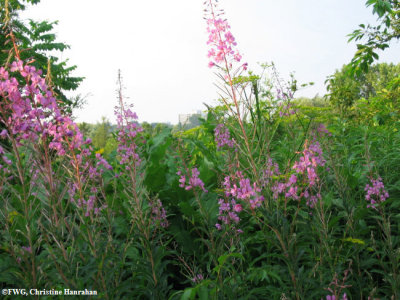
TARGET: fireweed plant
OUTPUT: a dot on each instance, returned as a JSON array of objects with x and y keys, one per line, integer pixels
[
  {"x": 268, "y": 198},
  {"x": 301, "y": 185},
  {"x": 57, "y": 213},
  {"x": 224, "y": 55},
  {"x": 53, "y": 172}
]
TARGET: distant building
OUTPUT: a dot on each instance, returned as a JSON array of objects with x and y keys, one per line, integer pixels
[
  {"x": 190, "y": 120},
  {"x": 184, "y": 119}
]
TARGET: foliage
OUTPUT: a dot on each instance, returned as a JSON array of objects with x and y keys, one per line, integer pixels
[
  {"x": 376, "y": 37},
  {"x": 37, "y": 42},
  {"x": 268, "y": 198},
  {"x": 101, "y": 133},
  {"x": 344, "y": 90},
  {"x": 316, "y": 101}
]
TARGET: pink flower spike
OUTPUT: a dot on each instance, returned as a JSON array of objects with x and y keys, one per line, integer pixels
[{"x": 220, "y": 39}]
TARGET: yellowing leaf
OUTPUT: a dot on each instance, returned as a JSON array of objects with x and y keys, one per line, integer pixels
[
  {"x": 354, "y": 241},
  {"x": 12, "y": 215}
]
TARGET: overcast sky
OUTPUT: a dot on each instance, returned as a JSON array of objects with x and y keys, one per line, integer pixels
[{"x": 160, "y": 47}]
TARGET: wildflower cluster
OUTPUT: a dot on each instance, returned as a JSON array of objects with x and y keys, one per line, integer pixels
[
  {"x": 87, "y": 205},
  {"x": 228, "y": 211},
  {"x": 285, "y": 106},
  {"x": 32, "y": 116},
  {"x": 23, "y": 109},
  {"x": 286, "y": 110},
  {"x": 237, "y": 189},
  {"x": 128, "y": 129},
  {"x": 103, "y": 162},
  {"x": 322, "y": 130},
  {"x": 375, "y": 192},
  {"x": 336, "y": 287},
  {"x": 159, "y": 214},
  {"x": 222, "y": 137},
  {"x": 17, "y": 111},
  {"x": 27, "y": 249},
  {"x": 197, "y": 278},
  {"x": 283, "y": 95},
  {"x": 220, "y": 38},
  {"x": 272, "y": 169},
  {"x": 245, "y": 191},
  {"x": 305, "y": 173},
  {"x": 31, "y": 111},
  {"x": 194, "y": 180}
]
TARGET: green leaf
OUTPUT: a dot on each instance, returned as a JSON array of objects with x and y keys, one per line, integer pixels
[{"x": 188, "y": 294}]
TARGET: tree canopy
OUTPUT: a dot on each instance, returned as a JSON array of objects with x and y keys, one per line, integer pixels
[
  {"x": 37, "y": 43},
  {"x": 375, "y": 38},
  {"x": 344, "y": 90}
]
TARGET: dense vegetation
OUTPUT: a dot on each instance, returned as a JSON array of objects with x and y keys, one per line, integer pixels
[{"x": 271, "y": 197}]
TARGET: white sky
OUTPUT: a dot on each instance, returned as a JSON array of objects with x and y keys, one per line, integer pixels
[{"x": 160, "y": 46}]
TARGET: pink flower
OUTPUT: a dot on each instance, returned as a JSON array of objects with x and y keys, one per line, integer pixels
[
  {"x": 238, "y": 208},
  {"x": 197, "y": 278},
  {"x": 159, "y": 214},
  {"x": 182, "y": 181},
  {"x": 293, "y": 179},
  {"x": 6, "y": 160},
  {"x": 3, "y": 133},
  {"x": 375, "y": 192},
  {"x": 103, "y": 162},
  {"x": 230, "y": 38},
  {"x": 27, "y": 249},
  {"x": 194, "y": 181},
  {"x": 222, "y": 137}
]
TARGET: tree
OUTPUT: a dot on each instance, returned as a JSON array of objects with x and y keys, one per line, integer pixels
[
  {"x": 111, "y": 145},
  {"x": 35, "y": 40},
  {"x": 316, "y": 101},
  {"x": 345, "y": 90},
  {"x": 101, "y": 132},
  {"x": 375, "y": 37},
  {"x": 85, "y": 128}
]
